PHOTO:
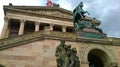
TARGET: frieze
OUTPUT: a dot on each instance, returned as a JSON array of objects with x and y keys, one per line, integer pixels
[{"x": 56, "y": 14}]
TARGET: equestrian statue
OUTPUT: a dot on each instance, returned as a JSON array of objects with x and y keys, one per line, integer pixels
[{"x": 78, "y": 15}]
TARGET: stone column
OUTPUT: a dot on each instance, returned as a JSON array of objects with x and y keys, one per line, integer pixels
[
  {"x": 37, "y": 25},
  {"x": 84, "y": 64},
  {"x": 21, "y": 29},
  {"x": 5, "y": 28},
  {"x": 63, "y": 28},
  {"x": 51, "y": 27}
]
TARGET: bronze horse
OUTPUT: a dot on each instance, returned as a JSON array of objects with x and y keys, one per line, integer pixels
[{"x": 79, "y": 13}]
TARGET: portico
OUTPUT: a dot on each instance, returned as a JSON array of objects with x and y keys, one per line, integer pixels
[{"x": 26, "y": 26}]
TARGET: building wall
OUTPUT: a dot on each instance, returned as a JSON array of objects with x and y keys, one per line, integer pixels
[
  {"x": 36, "y": 54},
  {"x": 116, "y": 50},
  {"x": 41, "y": 53}
]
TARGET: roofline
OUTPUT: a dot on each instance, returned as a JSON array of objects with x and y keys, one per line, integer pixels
[
  {"x": 38, "y": 7},
  {"x": 33, "y": 13},
  {"x": 43, "y": 8}
]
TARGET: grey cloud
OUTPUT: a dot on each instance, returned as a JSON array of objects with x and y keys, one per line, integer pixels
[
  {"x": 108, "y": 12},
  {"x": 111, "y": 23}
]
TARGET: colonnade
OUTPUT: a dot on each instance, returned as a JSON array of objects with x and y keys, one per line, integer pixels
[{"x": 5, "y": 31}]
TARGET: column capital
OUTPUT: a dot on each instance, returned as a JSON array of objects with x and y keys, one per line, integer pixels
[
  {"x": 51, "y": 24},
  {"x": 64, "y": 26},
  {"x": 22, "y": 20},
  {"x": 6, "y": 18},
  {"x": 37, "y": 22}
]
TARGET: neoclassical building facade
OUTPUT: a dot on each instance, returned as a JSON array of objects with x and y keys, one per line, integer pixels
[
  {"x": 31, "y": 33},
  {"x": 27, "y": 23}
]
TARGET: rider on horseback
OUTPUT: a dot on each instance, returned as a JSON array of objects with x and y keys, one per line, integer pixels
[
  {"x": 78, "y": 14},
  {"x": 79, "y": 10}
]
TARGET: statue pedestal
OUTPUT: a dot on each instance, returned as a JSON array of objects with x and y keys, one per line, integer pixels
[
  {"x": 91, "y": 34},
  {"x": 88, "y": 29}
]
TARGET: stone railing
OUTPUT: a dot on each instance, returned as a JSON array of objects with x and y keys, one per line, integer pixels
[
  {"x": 18, "y": 40},
  {"x": 9, "y": 42},
  {"x": 63, "y": 35},
  {"x": 47, "y": 34}
]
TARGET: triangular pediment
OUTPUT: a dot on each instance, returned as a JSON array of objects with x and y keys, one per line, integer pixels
[{"x": 41, "y": 10}]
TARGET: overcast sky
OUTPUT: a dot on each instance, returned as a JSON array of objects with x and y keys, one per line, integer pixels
[{"x": 107, "y": 11}]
